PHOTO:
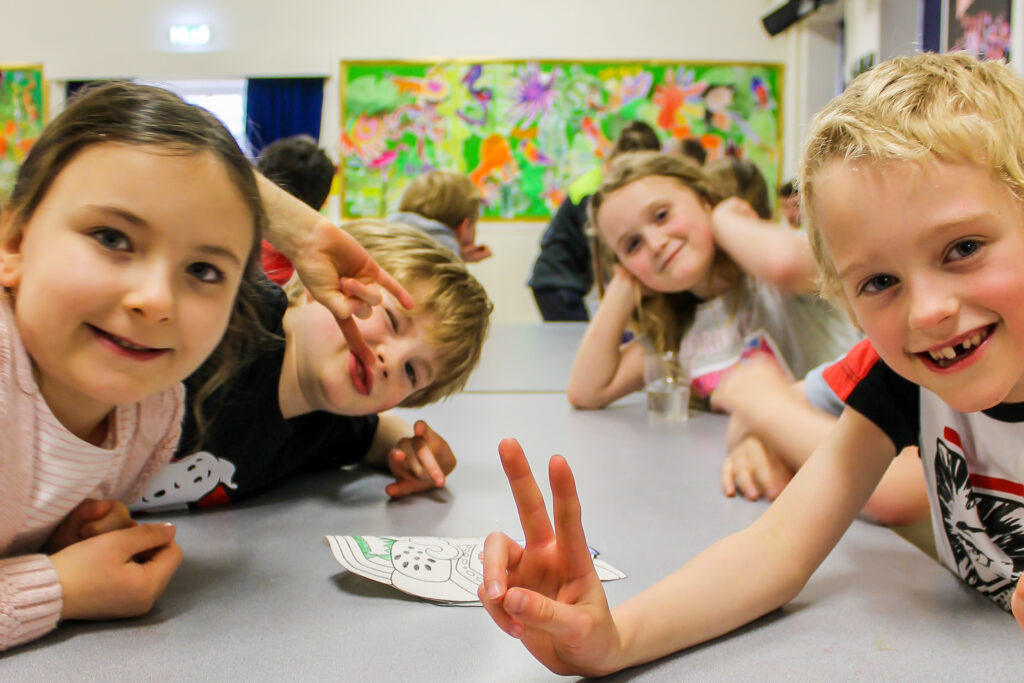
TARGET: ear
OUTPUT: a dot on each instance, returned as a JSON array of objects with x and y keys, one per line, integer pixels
[
  {"x": 10, "y": 257},
  {"x": 460, "y": 231}
]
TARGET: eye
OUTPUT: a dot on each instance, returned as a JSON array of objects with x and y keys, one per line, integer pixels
[
  {"x": 391, "y": 319},
  {"x": 111, "y": 239},
  {"x": 877, "y": 283},
  {"x": 410, "y": 372},
  {"x": 660, "y": 215},
  {"x": 632, "y": 244},
  {"x": 963, "y": 249},
  {"x": 205, "y": 272}
]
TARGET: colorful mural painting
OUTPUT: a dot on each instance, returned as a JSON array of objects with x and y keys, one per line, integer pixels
[
  {"x": 21, "y": 119},
  {"x": 523, "y": 130}
]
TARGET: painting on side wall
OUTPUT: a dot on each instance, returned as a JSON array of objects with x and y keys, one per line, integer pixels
[
  {"x": 979, "y": 27},
  {"x": 22, "y": 117},
  {"x": 523, "y": 130}
]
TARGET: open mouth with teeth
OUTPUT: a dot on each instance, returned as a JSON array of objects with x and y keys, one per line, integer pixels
[{"x": 948, "y": 356}]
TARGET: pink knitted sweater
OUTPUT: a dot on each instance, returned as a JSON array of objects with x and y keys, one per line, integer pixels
[{"x": 30, "y": 592}]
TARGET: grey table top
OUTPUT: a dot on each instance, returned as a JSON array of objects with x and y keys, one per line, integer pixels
[
  {"x": 259, "y": 596},
  {"x": 527, "y": 357}
]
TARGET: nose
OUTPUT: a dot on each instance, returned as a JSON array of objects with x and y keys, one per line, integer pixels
[
  {"x": 151, "y": 295},
  {"x": 932, "y": 303},
  {"x": 655, "y": 239}
]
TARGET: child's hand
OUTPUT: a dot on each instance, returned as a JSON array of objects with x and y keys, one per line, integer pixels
[
  {"x": 733, "y": 206},
  {"x": 548, "y": 594},
  {"x": 419, "y": 462},
  {"x": 117, "y": 574},
  {"x": 754, "y": 470},
  {"x": 1017, "y": 603},
  {"x": 474, "y": 253},
  {"x": 91, "y": 518},
  {"x": 341, "y": 275}
]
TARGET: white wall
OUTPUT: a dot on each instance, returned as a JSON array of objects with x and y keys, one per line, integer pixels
[{"x": 128, "y": 38}]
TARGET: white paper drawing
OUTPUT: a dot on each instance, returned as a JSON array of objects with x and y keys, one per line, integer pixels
[{"x": 443, "y": 570}]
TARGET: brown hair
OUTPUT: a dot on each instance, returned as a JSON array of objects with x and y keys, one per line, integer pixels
[
  {"x": 663, "y": 317},
  {"x": 443, "y": 289},
  {"x": 133, "y": 114},
  {"x": 741, "y": 178},
  {"x": 636, "y": 136},
  {"x": 949, "y": 106},
  {"x": 443, "y": 196}
]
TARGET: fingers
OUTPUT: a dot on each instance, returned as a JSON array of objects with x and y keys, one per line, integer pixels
[
  {"x": 117, "y": 517},
  {"x": 405, "y": 487},
  {"x": 391, "y": 284},
  {"x": 747, "y": 486},
  {"x": 139, "y": 539},
  {"x": 362, "y": 296},
  {"x": 356, "y": 344},
  {"x": 568, "y": 517},
  {"x": 500, "y": 555},
  {"x": 728, "y": 478},
  {"x": 530, "y": 503},
  {"x": 440, "y": 449},
  {"x": 1017, "y": 603}
]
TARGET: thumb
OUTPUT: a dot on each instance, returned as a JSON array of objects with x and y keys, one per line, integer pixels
[{"x": 534, "y": 610}]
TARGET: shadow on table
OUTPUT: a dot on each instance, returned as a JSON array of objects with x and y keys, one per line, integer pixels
[{"x": 353, "y": 584}]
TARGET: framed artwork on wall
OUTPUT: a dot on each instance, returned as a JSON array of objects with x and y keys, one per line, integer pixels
[
  {"x": 22, "y": 117},
  {"x": 523, "y": 130},
  {"x": 979, "y": 27}
]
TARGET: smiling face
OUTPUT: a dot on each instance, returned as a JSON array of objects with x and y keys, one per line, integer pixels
[
  {"x": 320, "y": 373},
  {"x": 125, "y": 275},
  {"x": 929, "y": 257},
  {"x": 661, "y": 232}
]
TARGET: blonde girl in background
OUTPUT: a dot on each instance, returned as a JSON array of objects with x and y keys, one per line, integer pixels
[{"x": 690, "y": 270}]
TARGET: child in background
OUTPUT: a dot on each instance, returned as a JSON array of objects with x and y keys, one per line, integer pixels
[
  {"x": 133, "y": 223},
  {"x": 297, "y": 165},
  {"x": 789, "y": 204},
  {"x": 307, "y": 403},
  {"x": 774, "y": 424},
  {"x": 735, "y": 177},
  {"x": 930, "y": 269},
  {"x": 446, "y": 206},
  {"x": 696, "y": 273},
  {"x": 563, "y": 272}
]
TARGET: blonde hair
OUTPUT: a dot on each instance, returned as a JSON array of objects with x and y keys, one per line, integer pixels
[
  {"x": 951, "y": 106},
  {"x": 443, "y": 196},
  {"x": 442, "y": 288},
  {"x": 663, "y": 317}
]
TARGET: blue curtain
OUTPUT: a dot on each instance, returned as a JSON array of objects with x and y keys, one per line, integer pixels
[{"x": 281, "y": 107}]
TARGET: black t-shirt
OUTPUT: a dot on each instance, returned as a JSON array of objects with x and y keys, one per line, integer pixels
[{"x": 248, "y": 445}]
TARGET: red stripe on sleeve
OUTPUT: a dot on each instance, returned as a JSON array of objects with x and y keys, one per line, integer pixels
[{"x": 842, "y": 376}]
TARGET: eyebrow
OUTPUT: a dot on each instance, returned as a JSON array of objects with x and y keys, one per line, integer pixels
[{"x": 140, "y": 222}]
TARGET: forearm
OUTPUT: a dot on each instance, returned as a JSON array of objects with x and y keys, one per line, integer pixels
[
  {"x": 30, "y": 599},
  {"x": 292, "y": 221},
  {"x": 782, "y": 258},
  {"x": 390, "y": 428},
  {"x": 764, "y": 566},
  {"x": 604, "y": 369},
  {"x": 713, "y": 594}
]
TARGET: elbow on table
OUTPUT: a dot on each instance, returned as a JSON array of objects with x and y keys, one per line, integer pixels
[{"x": 583, "y": 399}]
